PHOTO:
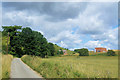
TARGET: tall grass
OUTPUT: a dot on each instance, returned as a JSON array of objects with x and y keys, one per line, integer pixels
[
  {"x": 74, "y": 66},
  {"x": 6, "y": 65}
]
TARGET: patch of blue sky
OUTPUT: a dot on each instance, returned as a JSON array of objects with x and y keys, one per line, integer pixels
[
  {"x": 86, "y": 38},
  {"x": 74, "y": 29},
  {"x": 116, "y": 26}
]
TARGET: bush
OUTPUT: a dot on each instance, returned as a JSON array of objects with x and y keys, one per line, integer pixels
[
  {"x": 60, "y": 52},
  {"x": 111, "y": 53},
  {"x": 76, "y": 50},
  {"x": 83, "y": 52},
  {"x": 73, "y": 52}
]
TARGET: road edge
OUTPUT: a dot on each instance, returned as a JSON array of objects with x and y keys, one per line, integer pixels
[{"x": 33, "y": 70}]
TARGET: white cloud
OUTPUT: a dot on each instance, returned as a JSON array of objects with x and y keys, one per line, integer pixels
[
  {"x": 111, "y": 35},
  {"x": 70, "y": 40},
  {"x": 94, "y": 20},
  {"x": 77, "y": 41},
  {"x": 93, "y": 44},
  {"x": 41, "y": 32},
  {"x": 109, "y": 38},
  {"x": 62, "y": 44},
  {"x": 16, "y": 18}
]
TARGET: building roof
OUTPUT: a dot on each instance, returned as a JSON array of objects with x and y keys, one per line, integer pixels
[{"x": 100, "y": 47}]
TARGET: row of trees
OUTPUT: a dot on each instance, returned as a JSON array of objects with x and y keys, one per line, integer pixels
[
  {"x": 85, "y": 52},
  {"x": 25, "y": 41}
]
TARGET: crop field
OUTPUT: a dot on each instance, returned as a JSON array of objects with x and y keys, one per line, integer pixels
[
  {"x": 74, "y": 66},
  {"x": 6, "y": 65}
]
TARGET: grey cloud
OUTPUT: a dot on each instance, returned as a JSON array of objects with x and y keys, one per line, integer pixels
[
  {"x": 56, "y": 11},
  {"x": 99, "y": 17},
  {"x": 108, "y": 38},
  {"x": 43, "y": 17},
  {"x": 110, "y": 14}
]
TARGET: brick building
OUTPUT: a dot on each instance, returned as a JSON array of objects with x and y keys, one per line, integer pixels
[{"x": 100, "y": 49}]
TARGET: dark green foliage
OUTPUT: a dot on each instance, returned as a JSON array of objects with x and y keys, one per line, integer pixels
[
  {"x": 110, "y": 53},
  {"x": 14, "y": 37},
  {"x": 66, "y": 48},
  {"x": 73, "y": 52},
  {"x": 13, "y": 32},
  {"x": 76, "y": 50},
  {"x": 34, "y": 43},
  {"x": 51, "y": 49},
  {"x": 82, "y": 52},
  {"x": 60, "y": 52},
  {"x": 4, "y": 33},
  {"x": 27, "y": 42}
]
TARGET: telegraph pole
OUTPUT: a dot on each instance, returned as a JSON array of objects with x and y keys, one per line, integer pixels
[{"x": 7, "y": 42}]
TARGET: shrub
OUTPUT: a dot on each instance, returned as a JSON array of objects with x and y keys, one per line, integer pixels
[
  {"x": 111, "y": 53},
  {"x": 60, "y": 52},
  {"x": 76, "y": 50},
  {"x": 73, "y": 52},
  {"x": 83, "y": 52}
]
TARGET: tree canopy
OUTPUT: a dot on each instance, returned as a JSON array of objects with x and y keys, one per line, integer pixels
[
  {"x": 111, "y": 53},
  {"x": 27, "y": 42},
  {"x": 82, "y": 52}
]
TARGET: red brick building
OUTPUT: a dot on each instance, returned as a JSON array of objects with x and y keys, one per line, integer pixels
[{"x": 101, "y": 49}]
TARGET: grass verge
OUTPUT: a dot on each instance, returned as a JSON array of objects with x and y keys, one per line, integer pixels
[
  {"x": 74, "y": 66},
  {"x": 6, "y": 65}
]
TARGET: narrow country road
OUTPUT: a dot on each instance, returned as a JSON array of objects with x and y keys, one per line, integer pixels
[{"x": 21, "y": 70}]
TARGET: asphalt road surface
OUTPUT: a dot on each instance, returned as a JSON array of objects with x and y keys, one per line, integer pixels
[{"x": 21, "y": 70}]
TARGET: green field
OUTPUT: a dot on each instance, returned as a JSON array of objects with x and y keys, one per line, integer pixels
[{"x": 74, "y": 66}]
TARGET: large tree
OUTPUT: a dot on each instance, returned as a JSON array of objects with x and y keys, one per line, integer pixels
[
  {"x": 82, "y": 52},
  {"x": 14, "y": 32},
  {"x": 26, "y": 39},
  {"x": 28, "y": 42},
  {"x": 51, "y": 49},
  {"x": 33, "y": 43}
]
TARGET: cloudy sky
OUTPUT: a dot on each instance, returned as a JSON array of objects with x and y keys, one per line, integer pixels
[{"x": 68, "y": 24}]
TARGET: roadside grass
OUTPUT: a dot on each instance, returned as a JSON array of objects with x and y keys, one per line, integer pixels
[
  {"x": 74, "y": 66},
  {"x": 6, "y": 65}
]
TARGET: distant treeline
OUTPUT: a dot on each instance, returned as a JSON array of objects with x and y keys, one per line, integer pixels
[{"x": 26, "y": 41}]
